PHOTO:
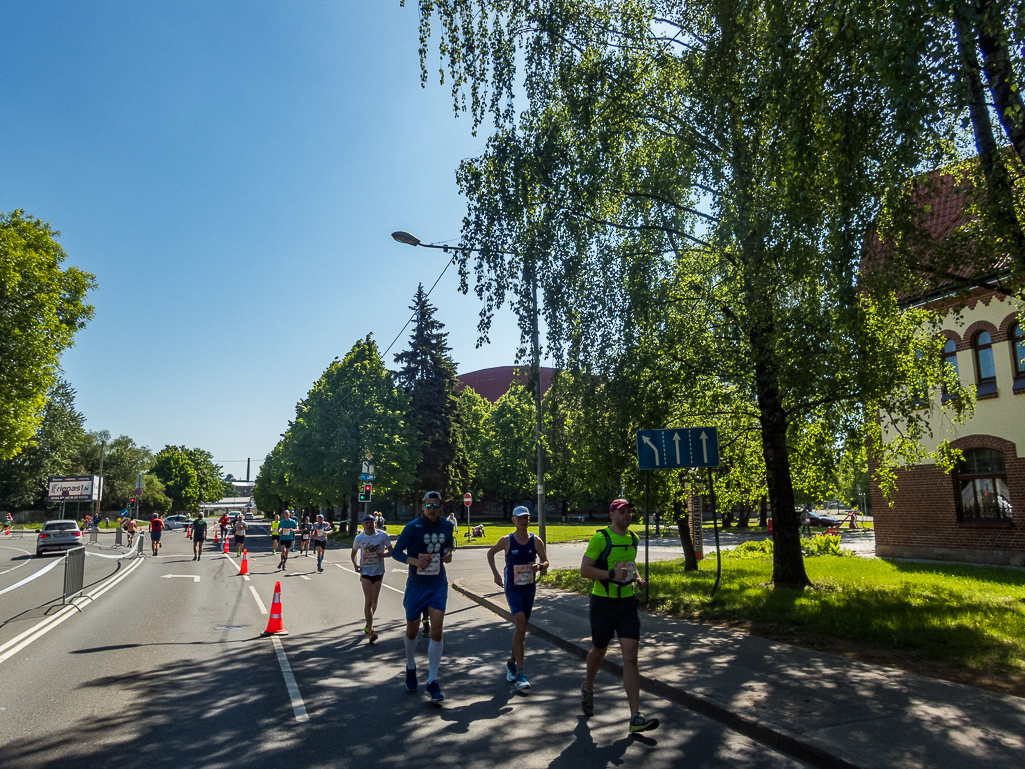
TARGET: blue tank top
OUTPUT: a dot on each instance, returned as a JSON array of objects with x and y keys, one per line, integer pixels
[{"x": 519, "y": 555}]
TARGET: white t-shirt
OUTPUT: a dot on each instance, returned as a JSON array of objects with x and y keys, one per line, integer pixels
[{"x": 372, "y": 545}]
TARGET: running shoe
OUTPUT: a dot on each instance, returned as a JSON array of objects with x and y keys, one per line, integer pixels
[
  {"x": 320, "y": 568},
  {"x": 373, "y": 637},
  {"x": 433, "y": 691},
  {"x": 641, "y": 723},
  {"x": 587, "y": 702},
  {"x": 366, "y": 630},
  {"x": 510, "y": 671},
  {"x": 427, "y": 628},
  {"x": 521, "y": 682},
  {"x": 411, "y": 679}
]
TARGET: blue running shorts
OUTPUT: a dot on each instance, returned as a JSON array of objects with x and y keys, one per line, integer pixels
[
  {"x": 418, "y": 598},
  {"x": 521, "y": 600}
]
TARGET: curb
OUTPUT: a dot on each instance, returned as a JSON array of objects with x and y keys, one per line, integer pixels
[{"x": 779, "y": 740}]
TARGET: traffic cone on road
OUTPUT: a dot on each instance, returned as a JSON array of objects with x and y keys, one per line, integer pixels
[
  {"x": 274, "y": 625},
  {"x": 245, "y": 563},
  {"x": 225, "y": 550},
  {"x": 217, "y": 536}
]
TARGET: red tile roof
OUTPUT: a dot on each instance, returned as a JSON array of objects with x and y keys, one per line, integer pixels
[{"x": 493, "y": 383}]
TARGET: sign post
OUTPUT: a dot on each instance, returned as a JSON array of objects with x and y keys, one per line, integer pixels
[
  {"x": 671, "y": 449},
  {"x": 468, "y": 500}
]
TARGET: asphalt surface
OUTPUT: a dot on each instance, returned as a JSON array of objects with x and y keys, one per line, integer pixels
[{"x": 164, "y": 670}]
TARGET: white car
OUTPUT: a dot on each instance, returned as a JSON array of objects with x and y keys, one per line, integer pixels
[{"x": 173, "y": 522}]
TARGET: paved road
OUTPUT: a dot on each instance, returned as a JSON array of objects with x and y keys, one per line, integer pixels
[{"x": 163, "y": 670}]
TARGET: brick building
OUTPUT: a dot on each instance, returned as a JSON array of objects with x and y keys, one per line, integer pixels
[{"x": 976, "y": 513}]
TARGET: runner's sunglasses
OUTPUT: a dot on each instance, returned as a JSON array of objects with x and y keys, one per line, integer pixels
[{"x": 433, "y": 506}]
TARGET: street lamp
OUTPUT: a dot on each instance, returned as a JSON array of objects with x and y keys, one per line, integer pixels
[{"x": 408, "y": 239}]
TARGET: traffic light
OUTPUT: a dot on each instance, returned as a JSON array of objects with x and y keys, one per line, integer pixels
[
  {"x": 364, "y": 495},
  {"x": 131, "y": 503}
]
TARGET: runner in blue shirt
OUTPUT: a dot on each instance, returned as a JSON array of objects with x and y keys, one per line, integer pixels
[
  {"x": 286, "y": 531},
  {"x": 425, "y": 545}
]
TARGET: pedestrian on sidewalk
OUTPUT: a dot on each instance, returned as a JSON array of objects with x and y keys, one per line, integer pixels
[
  {"x": 522, "y": 554},
  {"x": 286, "y": 530},
  {"x": 156, "y": 529},
  {"x": 198, "y": 535},
  {"x": 374, "y": 546},
  {"x": 425, "y": 545},
  {"x": 611, "y": 561}
]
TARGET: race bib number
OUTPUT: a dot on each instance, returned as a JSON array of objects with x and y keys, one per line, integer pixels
[
  {"x": 523, "y": 574},
  {"x": 434, "y": 567},
  {"x": 631, "y": 569},
  {"x": 370, "y": 559}
]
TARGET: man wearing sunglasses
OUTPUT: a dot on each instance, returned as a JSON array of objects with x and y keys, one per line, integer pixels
[{"x": 425, "y": 545}]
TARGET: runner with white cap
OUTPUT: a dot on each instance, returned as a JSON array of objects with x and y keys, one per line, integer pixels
[{"x": 374, "y": 546}]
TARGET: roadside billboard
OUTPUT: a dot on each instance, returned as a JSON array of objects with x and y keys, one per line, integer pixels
[{"x": 75, "y": 488}]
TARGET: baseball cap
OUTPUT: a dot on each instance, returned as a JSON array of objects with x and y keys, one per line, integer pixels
[
  {"x": 618, "y": 504},
  {"x": 368, "y": 517},
  {"x": 430, "y": 494},
  {"x": 520, "y": 510}
]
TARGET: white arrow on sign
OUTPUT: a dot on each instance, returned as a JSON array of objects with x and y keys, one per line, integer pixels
[
  {"x": 648, "y": 441},
  {"x": 704, "y": 445},
  {"x": 193, "y": 577},
  {"x": 676, "y": 440}
]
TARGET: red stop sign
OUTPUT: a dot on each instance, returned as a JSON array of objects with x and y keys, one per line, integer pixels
[{"x": 467, "y": 499}]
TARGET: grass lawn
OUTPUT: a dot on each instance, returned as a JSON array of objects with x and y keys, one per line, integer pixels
[
  {"x": 963, "y": 623},
  {"x": 568, "y": 532}
]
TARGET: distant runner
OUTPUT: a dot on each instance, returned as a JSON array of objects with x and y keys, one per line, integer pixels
[
  {"x": 374, "y": 547},
  {"x": 287, "y": 529},
  {"x": 198, "y": 536},
  {"x": 611, "y": 561},
  {"x": 156, "y": 528},
  {"x": 425, "y": 545},
  {"x": 305, "y": 534},
  {"x": 522, "y": 552},
  {"x": 238, "y": 528},
  {"x": 275, "y": 532},
  {"x": 320, "y": 531}
]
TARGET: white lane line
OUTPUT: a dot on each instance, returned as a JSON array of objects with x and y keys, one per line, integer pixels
[
  {"x": 39, "y": 573},
  {"x": 23, "y": 563},
  {"x": 305, "y": 577},
  {"x": 43, "y": 627},
  {"x": 246, "y": 578},
  {"x": 298, "y": 706},
  {"x": 263, "y": 609},
  {"x": 400, "y": 592}
]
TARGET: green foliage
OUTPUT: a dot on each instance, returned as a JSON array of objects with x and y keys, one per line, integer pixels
[
  {"x": 172, "y": 467},
  {"x": 749, "y": 550},
  {"x": 819, "y": 545},
  {"x": 509, "y": 461},
  {"x": 475, "y": 426},
  {"x": 354, "y": 409},
  {"x": 154, "y": 500},
  {"x": 50, "y": 452},
  {"x": 428, "y": 377},
  {"x": 41, "y": 308}
]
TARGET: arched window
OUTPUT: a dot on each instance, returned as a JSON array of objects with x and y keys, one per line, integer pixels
[
  {"x": 981, "y": 480},
  {"x": 985, "y": 370},
  {"x": 1017, "y": 337},
  {"x": 950, "y": 356}
]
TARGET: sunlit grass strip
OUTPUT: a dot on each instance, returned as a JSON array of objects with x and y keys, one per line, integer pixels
[{"x": 973, "y": 616}]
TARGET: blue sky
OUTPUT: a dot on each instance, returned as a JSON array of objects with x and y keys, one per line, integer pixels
[{"x": 231, "y": 173}]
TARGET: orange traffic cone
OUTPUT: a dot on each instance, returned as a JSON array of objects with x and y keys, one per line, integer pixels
[
  {"x": 225, "y": 550},
  {"x": 217, "y": 536},
  {"x": 274, "y": 625},
  {"x": 245, "y": 563}
]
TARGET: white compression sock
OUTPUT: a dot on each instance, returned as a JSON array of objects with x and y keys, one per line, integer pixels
[
  {"x": 410, "y": 652},
  {"x": 434, "y": 650}
]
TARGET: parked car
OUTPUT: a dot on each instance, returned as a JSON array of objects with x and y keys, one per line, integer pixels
[
  {"x": 179, "y": 521},
  {"x": 58, "y": 535},
  {"x": 823, "y": 520},
  {"x": 249, "y": 517}
]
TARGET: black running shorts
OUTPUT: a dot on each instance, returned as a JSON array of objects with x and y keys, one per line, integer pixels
[{"x": 613, "y": 616}]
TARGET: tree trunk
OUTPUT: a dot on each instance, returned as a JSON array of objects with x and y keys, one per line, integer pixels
[
  {"x": 690, "y": 557},
  {"x": 1000, "y": 73}
]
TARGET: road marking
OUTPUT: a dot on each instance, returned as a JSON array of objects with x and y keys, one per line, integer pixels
[
  {"x": 298, "y": 706},
  {"x": 246, "y": 578},
  {"x": 305, "y": 577},
  {"x": 193, "y": 577},
  {"x": 39, "y": 573},
  {"x": 24, "y": 563},
  {"x": 43, "y": 627},
  {"x": 263, "y": 609},
  {"x": 400, "y": 592}
]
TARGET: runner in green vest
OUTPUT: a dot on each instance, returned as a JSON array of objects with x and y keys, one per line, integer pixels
[
  {"x": 275, "y": 532},
  {"x": 611, "y": 561}
]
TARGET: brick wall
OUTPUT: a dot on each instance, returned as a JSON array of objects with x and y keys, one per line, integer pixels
[{"x": 923, "y": 520}]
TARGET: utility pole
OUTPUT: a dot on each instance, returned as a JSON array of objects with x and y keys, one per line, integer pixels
[{"x": 99, "y": 495}]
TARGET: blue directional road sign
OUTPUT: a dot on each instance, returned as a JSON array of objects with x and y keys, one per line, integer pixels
[{"x": 682, "y": 447}]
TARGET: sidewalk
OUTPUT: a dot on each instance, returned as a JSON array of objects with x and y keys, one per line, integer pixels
[{"x": 823, "y": 709}]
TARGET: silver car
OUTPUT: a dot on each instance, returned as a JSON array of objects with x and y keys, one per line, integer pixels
[{"x": 58, "y": 535}]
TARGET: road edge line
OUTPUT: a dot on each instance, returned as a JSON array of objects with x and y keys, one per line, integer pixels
[{"x": 298, "y": 706}]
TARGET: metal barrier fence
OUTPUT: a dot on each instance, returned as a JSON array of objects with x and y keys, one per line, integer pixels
[
  {"x": 142, "y": 539},
  {"x": 94, "y": 536},
  {"x": 74, "y": 572},
  {"x": 118, "y": 533}
]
